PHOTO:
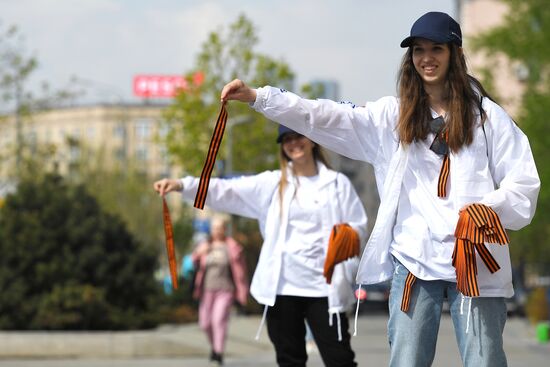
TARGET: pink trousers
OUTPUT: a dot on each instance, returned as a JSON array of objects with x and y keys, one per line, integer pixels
[{"x": 214, "y": 310}]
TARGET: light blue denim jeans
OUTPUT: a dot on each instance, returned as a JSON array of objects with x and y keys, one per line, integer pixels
[{"x": 413, "y": 335}]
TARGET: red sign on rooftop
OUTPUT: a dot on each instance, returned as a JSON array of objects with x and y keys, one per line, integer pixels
[{"x": 163, "y": 86}]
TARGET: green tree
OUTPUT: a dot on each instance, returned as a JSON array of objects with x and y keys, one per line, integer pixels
[
  {"x": 226, "y": 55},
  {"x": 17, "y": 66},
  {"x": 124, "y": 190},
  {"x": 15, "y": 70},
  {"x": 523, "y": 38},
  {"x": 66, "y": 264}
]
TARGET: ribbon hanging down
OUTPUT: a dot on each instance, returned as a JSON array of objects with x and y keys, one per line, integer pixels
[
  {"x": 215, "y": 142},
  {"x": 477, "y": 224},
  {"x": 343, "y": 244},
  {"x": 170, "y": 248}
]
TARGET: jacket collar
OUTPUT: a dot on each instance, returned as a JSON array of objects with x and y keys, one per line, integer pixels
[{"x": 326, "y": 175}]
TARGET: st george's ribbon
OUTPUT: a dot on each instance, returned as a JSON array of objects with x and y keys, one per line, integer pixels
[
  {"x": 170, "y": 248},
  {"x": 215, "y": 142},
  {"x": 477, "y": 225}
]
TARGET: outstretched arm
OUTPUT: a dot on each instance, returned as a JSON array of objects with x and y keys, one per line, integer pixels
[
  {"x": 248, "y": 196},
  {"x": 358, "y": 133}
]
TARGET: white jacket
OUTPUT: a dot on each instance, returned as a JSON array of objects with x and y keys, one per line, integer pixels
[
  {"x": 497, "y": 169},
  {"x": 257, "y": 197}
]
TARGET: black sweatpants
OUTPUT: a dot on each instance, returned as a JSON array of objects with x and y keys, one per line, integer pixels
[{"x": 287, "y": 331}]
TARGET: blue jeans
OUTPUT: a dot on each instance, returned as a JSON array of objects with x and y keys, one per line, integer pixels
[{"x": 413, "y": 335}]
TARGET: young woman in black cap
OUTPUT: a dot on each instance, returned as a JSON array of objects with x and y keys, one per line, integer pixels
[
  {"x": 297, "y": 207},
  {"x": 452, "y": 169}
]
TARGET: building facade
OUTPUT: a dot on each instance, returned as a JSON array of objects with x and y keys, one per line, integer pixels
[{"x": 121, "y": 134}]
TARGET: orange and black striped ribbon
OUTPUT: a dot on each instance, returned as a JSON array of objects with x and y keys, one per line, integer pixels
[
  {"x": 444, "y": 173},
  {"x": 477, "y": 225},
  {"x": 170, "y": 248},
  {"x": 215, "y": 142},
  {"x": 343, "y": 244},
  {"x": 443, "y": 177},
  {"x": 407, "y": 291}
]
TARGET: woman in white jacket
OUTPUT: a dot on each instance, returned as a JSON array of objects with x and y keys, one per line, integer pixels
[
  {"x": 296, "y": 207},
  {"x": 440, "y": 147}
]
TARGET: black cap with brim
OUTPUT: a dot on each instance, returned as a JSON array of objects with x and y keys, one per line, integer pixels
[
  {"x": 282, "y": 131},
  {"x": 436, "y": 27},
  {"x": 437, "y": 38}
]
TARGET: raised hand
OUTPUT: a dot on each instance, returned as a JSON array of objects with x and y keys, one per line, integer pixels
[
  {"x": 237, "y": 90},
  {"x": 167, "y": 185}
]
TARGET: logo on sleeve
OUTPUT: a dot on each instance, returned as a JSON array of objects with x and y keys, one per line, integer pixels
[{"x": 351, "y": 104}]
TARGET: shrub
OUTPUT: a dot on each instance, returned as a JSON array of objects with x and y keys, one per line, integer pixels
[{"x": 66, "y": 264}]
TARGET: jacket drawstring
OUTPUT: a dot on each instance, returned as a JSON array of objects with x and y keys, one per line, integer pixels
[
  {"x": 356, "y": 311},
  {"x": 257, "y": 337},
  {"x": 339, "y": 327},
  {"x": 469, "y": 311},
  {"x": 338, "y": 324}
]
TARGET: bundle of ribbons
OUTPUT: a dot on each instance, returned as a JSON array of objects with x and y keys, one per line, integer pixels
[
  {"x": 343, "y": 244},
  {"x": 477, "y": 224}
]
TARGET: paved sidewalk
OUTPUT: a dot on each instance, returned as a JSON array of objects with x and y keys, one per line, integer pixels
[{"x": 171, "y": 346}]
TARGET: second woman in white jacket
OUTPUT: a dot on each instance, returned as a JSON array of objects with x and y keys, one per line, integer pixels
[{"x": 296, "y": 207}]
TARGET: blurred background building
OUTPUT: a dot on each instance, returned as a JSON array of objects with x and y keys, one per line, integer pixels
[{"x": 120, "y": 132}]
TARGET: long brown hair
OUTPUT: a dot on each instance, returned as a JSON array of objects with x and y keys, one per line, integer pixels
[
  {"x": 463, "y": 107},
  {"x": 318, "y": 156}
]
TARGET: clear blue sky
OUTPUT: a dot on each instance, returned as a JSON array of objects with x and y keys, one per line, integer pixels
[{"x": 355, "y": 42}]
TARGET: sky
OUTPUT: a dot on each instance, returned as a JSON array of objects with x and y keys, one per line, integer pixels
[{"x": 105, "y": 43}]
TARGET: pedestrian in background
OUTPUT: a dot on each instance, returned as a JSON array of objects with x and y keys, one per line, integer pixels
[
  {"x": 442, "y": 152},
  {"x": 297, "y": 207},
  {"x": 221, "y": 279}
]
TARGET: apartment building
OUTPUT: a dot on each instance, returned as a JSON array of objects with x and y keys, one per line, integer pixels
[{"x": 122, "y": 133}]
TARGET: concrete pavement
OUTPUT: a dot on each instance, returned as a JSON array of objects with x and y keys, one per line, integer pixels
[{"x": 186, "y": 346}]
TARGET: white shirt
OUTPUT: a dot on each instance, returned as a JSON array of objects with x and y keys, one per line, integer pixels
[
  {"x": 304, "y": 244},
  {"x": 423, "y": 237}
]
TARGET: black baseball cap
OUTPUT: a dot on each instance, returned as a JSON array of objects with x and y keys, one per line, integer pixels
[
  {"x": 282, "y": 131},
  {"x": 437, "y": 27}
]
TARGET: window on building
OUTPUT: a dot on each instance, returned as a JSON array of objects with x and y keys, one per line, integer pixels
[
  {"x": 90, "y": 132},
  {"x": 143, "y": 128},
  {"x": 74, "y": 153},
  {"x": 163, "y": 130},
  {"x": 119, "y": 131},
  {"x": 31, "y": 139},
  {"x": 141, "y": 153},
  {"x": 120, "y": 154},
  {"x": 76, "y": 133}
]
